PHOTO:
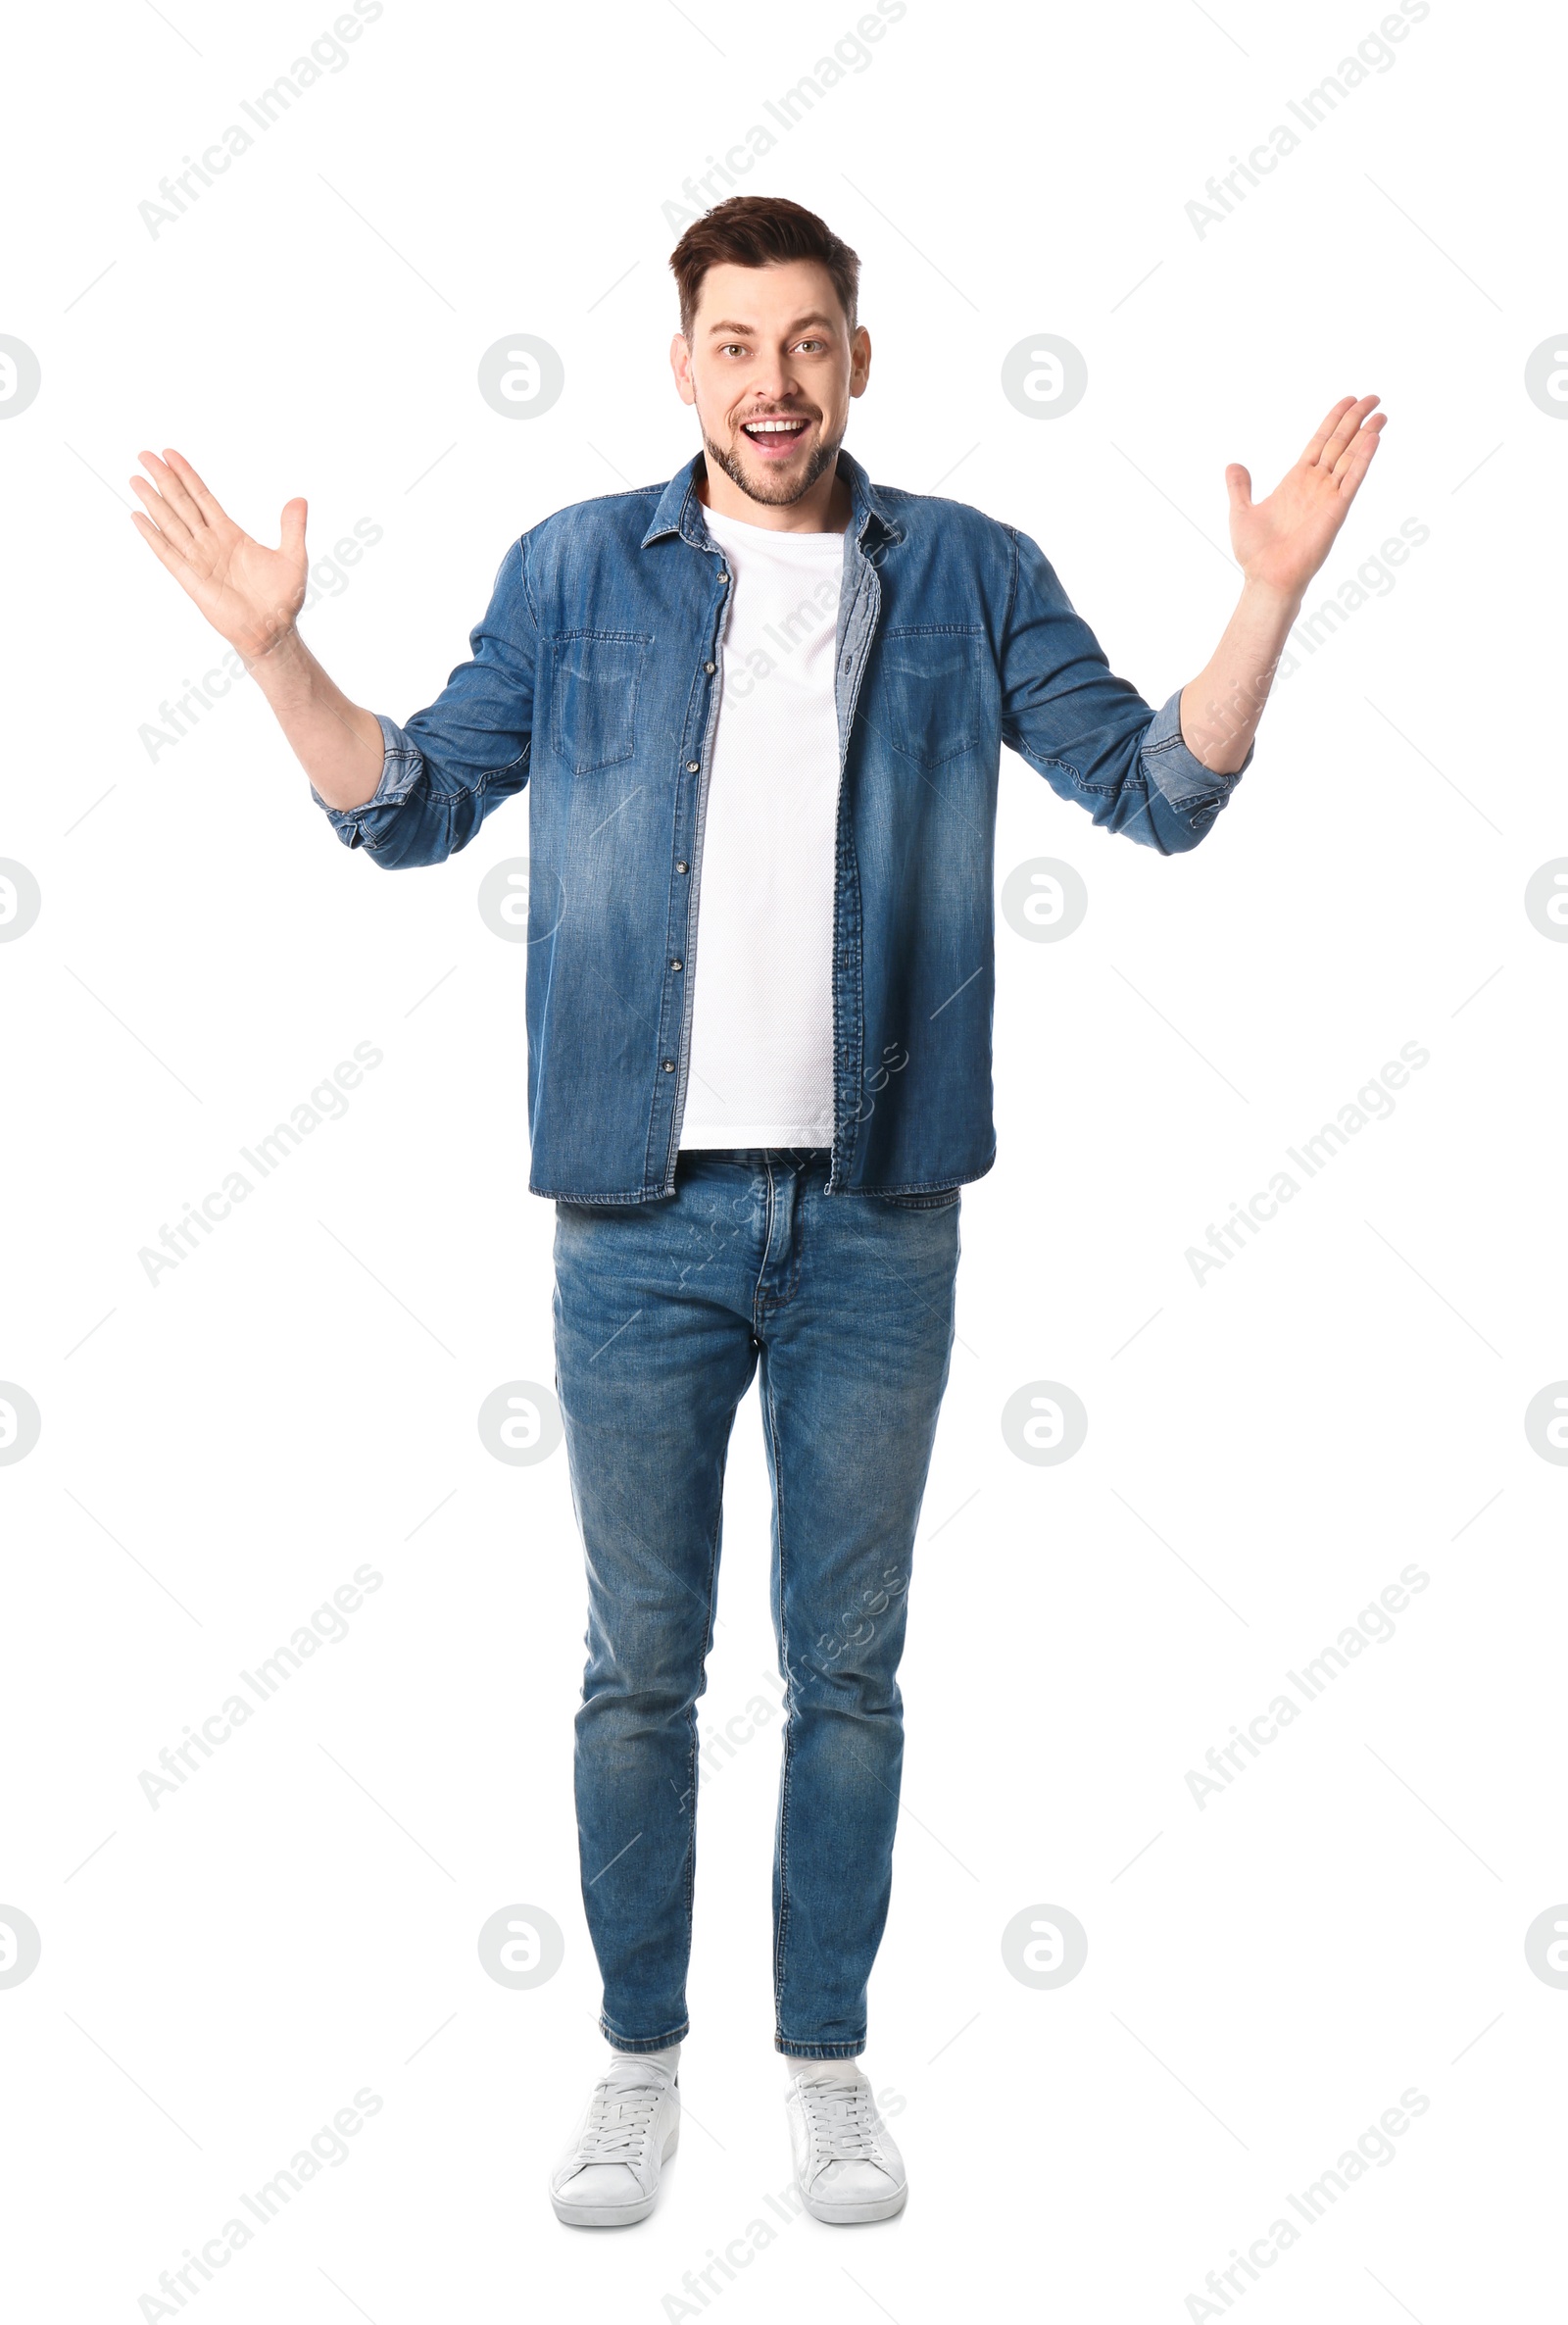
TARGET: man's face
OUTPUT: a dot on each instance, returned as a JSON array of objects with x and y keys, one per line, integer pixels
[{"x": 771, "y": 344}]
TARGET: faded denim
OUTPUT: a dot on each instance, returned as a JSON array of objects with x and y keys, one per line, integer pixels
[{"x": 663, "y": 1312}]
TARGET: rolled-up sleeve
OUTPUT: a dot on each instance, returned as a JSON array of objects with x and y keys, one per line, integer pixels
[
  {"x": 1091, "y": 734},
  {"x": 445, "y": 771}
]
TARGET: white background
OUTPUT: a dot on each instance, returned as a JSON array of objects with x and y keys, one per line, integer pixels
[{"x": 219, "y": 1975}]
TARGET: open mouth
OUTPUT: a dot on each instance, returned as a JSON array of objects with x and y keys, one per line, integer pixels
[{"x": 775, "y": 440}]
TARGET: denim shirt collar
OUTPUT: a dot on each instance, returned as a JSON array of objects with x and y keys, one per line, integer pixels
[{"x": 679, "y": 510}]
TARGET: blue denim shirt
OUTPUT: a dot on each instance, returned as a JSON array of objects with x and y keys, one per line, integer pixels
[{"x": 593, "y": 679}]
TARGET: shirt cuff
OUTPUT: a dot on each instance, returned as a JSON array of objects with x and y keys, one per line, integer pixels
[
  {"x": 401, "y": 765},
  {"x": 1181, "y": 778}
]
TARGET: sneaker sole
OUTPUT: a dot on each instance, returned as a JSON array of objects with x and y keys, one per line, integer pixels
[
  {"x": 851, "y": 2215},
  {"x": 612, "y": 2215}
]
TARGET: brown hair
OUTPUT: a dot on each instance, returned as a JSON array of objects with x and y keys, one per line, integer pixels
[{"x": 760, "y": 231}]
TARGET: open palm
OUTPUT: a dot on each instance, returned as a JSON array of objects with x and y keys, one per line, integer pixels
[
  {"x": 1281, "y": 542},
  {"x": 249, "y": 594}
]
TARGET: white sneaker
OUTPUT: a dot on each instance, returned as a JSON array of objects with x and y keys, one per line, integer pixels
[
  {"x": 608, "y": 2176},
  {"x": 847, "y": 2167}
]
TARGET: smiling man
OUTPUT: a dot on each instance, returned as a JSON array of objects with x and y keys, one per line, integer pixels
[{"x": 760, "y": 711}]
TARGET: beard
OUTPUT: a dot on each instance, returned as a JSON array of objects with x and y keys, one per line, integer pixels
[{"x": 787, "y": 490}]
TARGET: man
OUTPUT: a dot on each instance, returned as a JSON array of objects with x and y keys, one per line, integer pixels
[{"x": 760, "y": 711}]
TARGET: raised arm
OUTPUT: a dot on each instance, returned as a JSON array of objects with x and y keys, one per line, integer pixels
[
  {"x": 250, "y": 596},
  {"x": 1279, "y": 544}
]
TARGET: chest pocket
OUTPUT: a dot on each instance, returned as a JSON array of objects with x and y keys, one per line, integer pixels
[
  {"x": 931, "y": 692},
  {"x": 595, "y": 684}
]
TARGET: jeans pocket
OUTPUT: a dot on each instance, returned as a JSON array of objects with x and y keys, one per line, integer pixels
[
  {"x": 934, "y": 1199},
  {"x": 595, "y": 678}
]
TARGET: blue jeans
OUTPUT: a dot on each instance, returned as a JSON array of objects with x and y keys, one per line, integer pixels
[{"x": 664, "y": 1310}]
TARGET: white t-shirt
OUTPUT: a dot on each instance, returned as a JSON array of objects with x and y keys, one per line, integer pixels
[{"x": 761, "y": 1053}]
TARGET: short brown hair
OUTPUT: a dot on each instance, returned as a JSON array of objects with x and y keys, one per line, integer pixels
[{"x": 760, "y": 231}]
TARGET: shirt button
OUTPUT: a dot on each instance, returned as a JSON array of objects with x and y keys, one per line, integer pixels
[
  {"x": 709, "y": 667},
  {"x": 722, "y": 578},
  {"x": 676, "y": 965},
  {"x": 693, "y": 766},
  {"x": 670, "y": 1064},
  {"x": 680, "y": 868}
]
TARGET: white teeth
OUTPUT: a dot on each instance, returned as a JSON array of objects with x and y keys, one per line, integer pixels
[{"x": 773, "y": 428}]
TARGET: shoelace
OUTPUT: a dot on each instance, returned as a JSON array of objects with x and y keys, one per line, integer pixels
[
  {"x": 843, "y": 2122},
  {"x": 619, "y": 2120}
]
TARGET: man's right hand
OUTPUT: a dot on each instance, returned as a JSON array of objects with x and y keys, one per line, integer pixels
[{"x": 249, "y": 594}]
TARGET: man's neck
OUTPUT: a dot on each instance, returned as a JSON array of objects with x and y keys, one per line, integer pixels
[{"x": 826, "y": 509}]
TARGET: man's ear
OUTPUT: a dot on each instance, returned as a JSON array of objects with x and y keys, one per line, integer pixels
[
  {"x": 859, "y": 359},
  {"x": 680, "y": 364}
]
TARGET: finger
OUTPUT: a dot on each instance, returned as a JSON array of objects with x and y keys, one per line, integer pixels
[
  {"x": 1331, "y": 421},
  {"x": 164, "y": 515},
  {"x": 206, "y": 501},
  {"x": 159, "y": 545},
  {"x": 174, "y": 490},
  {"x": 1238, "y": 484},
  {"x": 1346, "y": 430},
  {"x": 1365, "y": 436},
  {"x": 1355, "y": 469},
  {"x": 292, "y": 525}
]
